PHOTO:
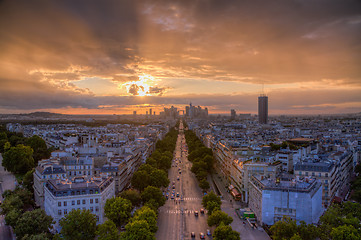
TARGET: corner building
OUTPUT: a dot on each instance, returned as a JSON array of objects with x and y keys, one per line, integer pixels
[{"x": 60, "y": 197}]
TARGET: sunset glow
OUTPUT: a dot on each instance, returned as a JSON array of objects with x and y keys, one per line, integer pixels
[{"x": 62, "y": 57}]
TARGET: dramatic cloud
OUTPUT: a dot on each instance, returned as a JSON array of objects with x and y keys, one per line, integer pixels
[{"x": 115, "y": 55}]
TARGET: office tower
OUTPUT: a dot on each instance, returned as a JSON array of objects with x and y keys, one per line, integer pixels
[
  {"x": 233, "y": 114},
  {"x": 150, "y": 112},
  {"x": 263, "y": 109},
  {"x": 134, "y": 113}
]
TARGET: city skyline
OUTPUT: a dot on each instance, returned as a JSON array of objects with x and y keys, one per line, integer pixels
[{"x": 117, "y": 57}]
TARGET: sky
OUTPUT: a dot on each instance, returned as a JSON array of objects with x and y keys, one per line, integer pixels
[{"x": 116, "y": 57}]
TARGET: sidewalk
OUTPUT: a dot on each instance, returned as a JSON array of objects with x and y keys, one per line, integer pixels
[{"x": 229, "y": 207}]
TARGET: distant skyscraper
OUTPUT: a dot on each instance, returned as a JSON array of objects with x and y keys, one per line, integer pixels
[
  {"x": 150, "y": 112},
  {"x": 134, "y": 113},
  {"x": 233, "y": 114},
  {"x": 263, "y": 109}
]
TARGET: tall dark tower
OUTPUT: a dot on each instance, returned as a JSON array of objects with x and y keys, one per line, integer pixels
[{"x": 263, "y": 109}]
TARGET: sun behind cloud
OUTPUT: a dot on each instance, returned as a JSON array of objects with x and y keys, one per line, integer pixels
[{"x": 141, "y": 87}]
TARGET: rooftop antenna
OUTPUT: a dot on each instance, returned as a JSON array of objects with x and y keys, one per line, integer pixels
[{"x": 263, "y": 89}]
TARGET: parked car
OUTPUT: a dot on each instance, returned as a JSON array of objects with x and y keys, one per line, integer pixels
[
  {"x": 193, "y": 235},
  {"x": 209, "y": 232},
  {"x": 202, "y": 210},
  {"x": 196, "y": 213},
  {"x": 202, "y": 236}
]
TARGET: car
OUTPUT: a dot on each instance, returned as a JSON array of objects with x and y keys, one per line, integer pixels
[
  {"x": 180, "y": 172},
  {"x": 202, "y": 210},
  {"x": 196, "y": 213},
  {"x": 178, "y": 178},
  {"x": 202, "y": 236},
  {"x": 193, "y": 235},
  {"x": 172, "y": 197},
  {"x": 173, "y": 187},
  {"x": 177, "y": 194},
  {"x": 209, "y": 232},
  {"x": 167, "y": 197}
]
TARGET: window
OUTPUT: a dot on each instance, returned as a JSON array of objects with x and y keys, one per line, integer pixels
[
  {"x": 319, "y": 174},
  {"x": 84, "y": 208},
  {"x": 326, "y": 181},
  {"x": 313, "y": 174},
  {"x": 59, "y": 204},
  {"x": 96, "y": 200},
  {"x": 306, "y": 174},
  {"x": 65, "y": 204},
  {"x": 91, "y": 191},
  {"x": 65, "y": 211},
  {"x": 73, "y": 202},
  {"x": 91, "y": 209},
  {"x": 326, "y": 174},
  {"x": 91, "y": 200},
  {"x": 300, "y": 173},
  {"x": 59, "y": 212},
  {"x": 97, "y": 218},
  {"x": 97, "y": 209},
  {"x": 78, "y": 202},
  {"x": 83, "y": 201}
]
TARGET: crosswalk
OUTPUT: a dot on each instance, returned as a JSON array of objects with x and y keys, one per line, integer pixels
[{"x": 178, "y": 211}]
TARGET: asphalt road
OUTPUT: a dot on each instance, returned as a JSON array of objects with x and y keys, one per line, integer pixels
[
  {"x": 7, "y": 181},
  {"x": 176, "y": 218}
]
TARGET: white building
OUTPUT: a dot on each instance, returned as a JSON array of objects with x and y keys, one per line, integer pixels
[
  {"x": 272, "y": 199},
  {"x": 62, "y": 196}
]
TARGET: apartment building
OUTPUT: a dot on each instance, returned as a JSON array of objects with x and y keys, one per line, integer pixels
[
  {"x": 62, "y": 196},
  {"x": 272, "y": 199}
]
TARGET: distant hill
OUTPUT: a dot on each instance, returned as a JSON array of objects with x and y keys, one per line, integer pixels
[{"x": 42, "y": 114}]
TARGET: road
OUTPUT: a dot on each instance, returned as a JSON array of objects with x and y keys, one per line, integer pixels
[
  {"x": 176, "y": 218},
  {"x": 7, "y": 181}
]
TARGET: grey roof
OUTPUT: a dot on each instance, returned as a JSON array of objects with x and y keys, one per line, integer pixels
[
  {"x": 314, "y": 166},
  {"x": 54, "y": 169}
]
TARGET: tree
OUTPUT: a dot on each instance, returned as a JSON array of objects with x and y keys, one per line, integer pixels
[
  {"x": 225, "y": 232},
  {"x": 296, "y": 237},
  {"x": 154, "y": 193},
  {"x": 213, "y": 206},
  {"x": 18, "y": 159},
  {"x": 138, "y": 230},
  {"x": 211, "y": 197},
  {"x": 107, "y": 231},
  {"x": 284, "y": 229},
  {"x": 140, "y": 180},
  {"x": 164, "y": 163},
  {"x": 10, "y": 203},
  {"x": 133, "y": 196},
  {"x": 345, "y": 232},
  {"x": 218, "y": 217},
  {"x": 28, "y": 180},
  {"x": 118, "y": 210},
  {"x": 39, "y": 147},
  {"x": 12, "y": 217},
  {"x": 307, "y": 231},
  {"x": 159, "y": 178},
  {"x": 32, "y": 223},
  {"x": 201, "y": 174},
  {"x": 16, "y": 140},
  {"x": 204, "y": 184},
  {"x": 2, "y": 145},
  {"x": 79, "y": 225},
  {"x": 40, "y": 236},
  {"x": 149, "y": 215}
]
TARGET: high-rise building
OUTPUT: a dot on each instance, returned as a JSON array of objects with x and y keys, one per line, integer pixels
[
  {"x": 233, "y": 114},
  {"x": 150, "y": 112},
  {"x": 263, "y": 109},
  {"x": 134, "y": 113}
]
